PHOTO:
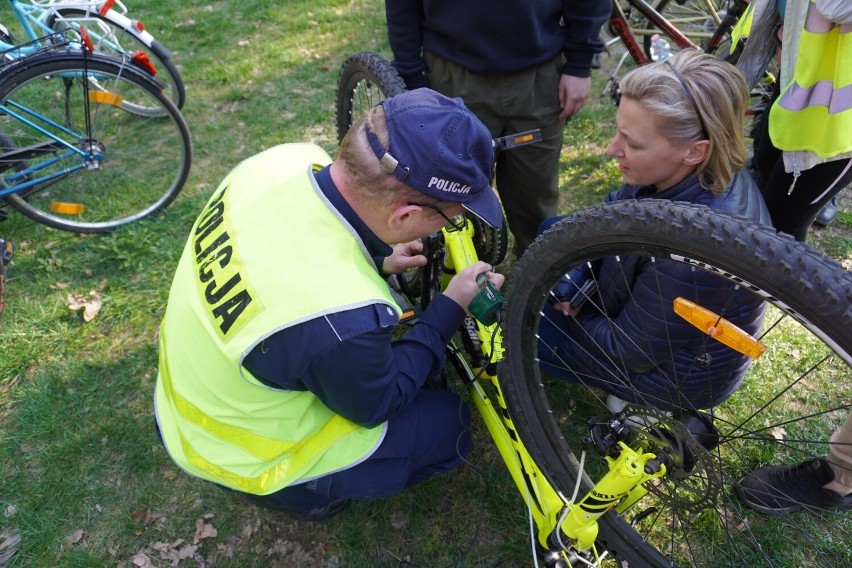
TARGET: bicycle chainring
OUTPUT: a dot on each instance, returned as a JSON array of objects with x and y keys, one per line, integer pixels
[{"x": 490, "y": 243}]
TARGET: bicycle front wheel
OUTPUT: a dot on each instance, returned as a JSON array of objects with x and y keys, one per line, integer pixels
[
  {"x": 91, "y": 165},
  {"x": 113, "y": 37},
  {"x": 365, "y": 79},
  {"x": 561, "y": 375}
]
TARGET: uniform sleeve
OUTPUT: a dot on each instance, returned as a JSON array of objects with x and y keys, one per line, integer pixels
[{"x": 369, "y": 377}]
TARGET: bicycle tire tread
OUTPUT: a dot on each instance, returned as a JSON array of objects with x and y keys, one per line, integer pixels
[
  {"x": 163, "y": 56},
  {"x": 812, "y": 285},
  {"x": 363, "y": 65}
]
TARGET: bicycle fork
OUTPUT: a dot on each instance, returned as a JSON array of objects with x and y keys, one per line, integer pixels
[
  {"x": 628, "y": 471},
  {"x": 566, "y": 528}
]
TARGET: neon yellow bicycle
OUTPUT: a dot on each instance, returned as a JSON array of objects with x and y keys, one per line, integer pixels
[
  {"x": 660, "y": 490},
  {"x": 663, "y": 493}
]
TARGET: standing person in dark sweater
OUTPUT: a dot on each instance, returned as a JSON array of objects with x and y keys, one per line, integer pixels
[{"x": 517, "y": 66}]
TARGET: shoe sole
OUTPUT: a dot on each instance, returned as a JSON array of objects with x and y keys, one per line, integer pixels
[{"x": 762, "y": 508}]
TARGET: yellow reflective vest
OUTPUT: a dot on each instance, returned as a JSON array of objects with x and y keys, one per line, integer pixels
[
  {"x": 266, "y": 253},
  {"x": 814, "y": 111}
]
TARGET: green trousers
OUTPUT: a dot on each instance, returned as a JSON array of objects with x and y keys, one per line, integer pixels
[{"x": 526, "y": 178}]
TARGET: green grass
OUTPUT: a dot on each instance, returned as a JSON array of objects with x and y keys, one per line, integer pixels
[{"x": 76, "y": 433}]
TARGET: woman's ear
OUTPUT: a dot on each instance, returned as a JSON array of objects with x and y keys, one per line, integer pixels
[{"x": 697, "y": 152}]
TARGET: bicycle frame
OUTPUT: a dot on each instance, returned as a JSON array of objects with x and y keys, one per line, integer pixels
[
  {"x": 565, "y": 527},
  {"x": 628, "y": 35},
  {"x": 89, "y": 161},
  {"x": 88, "y": 158}
]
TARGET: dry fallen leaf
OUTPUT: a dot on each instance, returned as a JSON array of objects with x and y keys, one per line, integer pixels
[
  {"x": 142, "y": 561},
  {"x": 203, "y": 530},
  {"x": 91, "y": 306},
  {"x": 69, "y": 541},
  {"x": 139, "y": 515},
  {"x": 9, "y": 540},
  {"x": 174, "y": 551}
]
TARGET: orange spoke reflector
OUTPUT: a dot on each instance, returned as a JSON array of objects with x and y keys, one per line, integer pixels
[
  {"x": 105, "y": 98},
  {"x": 719, "y": 328},
  {"x": 67, "y": 208},
  {"x": 524, "y": 138}
]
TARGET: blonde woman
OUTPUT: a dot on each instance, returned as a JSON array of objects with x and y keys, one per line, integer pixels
[{"x": 678, "y": 137}]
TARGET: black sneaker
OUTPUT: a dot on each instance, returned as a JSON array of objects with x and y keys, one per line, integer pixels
[
  {"x": 596, "y": 61},
  {"x": 780, "y": 489},
  {"x": 827, "y": 213}
]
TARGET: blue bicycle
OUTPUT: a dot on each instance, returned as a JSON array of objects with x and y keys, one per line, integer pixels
[
  {"x": 109, "y": 28},
  {"x": 88, "y": 142}
]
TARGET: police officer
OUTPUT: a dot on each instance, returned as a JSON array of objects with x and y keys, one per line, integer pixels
[{"x": 278, "y": 375}]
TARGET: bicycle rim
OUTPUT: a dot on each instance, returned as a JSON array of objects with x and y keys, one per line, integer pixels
[
  {"x": 110, "y": 38},
  {"x": 365, "y": 79},
  {"x": 131, "y": 165},
  {"x": 791, "y": 399}
]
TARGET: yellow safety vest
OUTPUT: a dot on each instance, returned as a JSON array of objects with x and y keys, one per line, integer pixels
[
  {"x": 266, "y": 253},
  {"x": 742, "y": 28},
  {"x": 814, "y": 112}
]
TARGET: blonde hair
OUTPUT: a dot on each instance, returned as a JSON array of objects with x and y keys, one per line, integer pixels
[{"x": 720, "y": 93}]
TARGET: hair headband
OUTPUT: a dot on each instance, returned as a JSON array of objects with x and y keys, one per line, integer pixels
[{"x": 690, "y": 97}]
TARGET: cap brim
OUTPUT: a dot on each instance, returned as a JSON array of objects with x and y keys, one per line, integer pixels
[{"x": 487, "y": 207}]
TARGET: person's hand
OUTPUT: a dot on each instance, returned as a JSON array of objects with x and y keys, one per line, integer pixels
[
  {"x": 572, "y": 94},
  {"x": 403, "y": 257},
  {"x": 416, "y": 81},
  {"x": 463, "y": 287},
  {"x": 566, "y": 309}
]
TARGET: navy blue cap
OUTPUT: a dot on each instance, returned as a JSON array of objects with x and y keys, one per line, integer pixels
[{"x": 439, "y": 148}]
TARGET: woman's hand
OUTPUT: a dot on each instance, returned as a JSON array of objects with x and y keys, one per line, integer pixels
[{"x": 566, "y": 309}]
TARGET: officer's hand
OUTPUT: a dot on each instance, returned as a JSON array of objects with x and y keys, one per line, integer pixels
[
  {"x": 403, "y": 257},
  {"x": 463, "y": 287}
]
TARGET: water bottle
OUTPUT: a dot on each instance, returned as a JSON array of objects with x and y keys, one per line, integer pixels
[{"x": 660, "y": 49}]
